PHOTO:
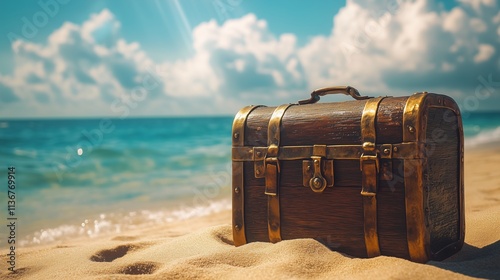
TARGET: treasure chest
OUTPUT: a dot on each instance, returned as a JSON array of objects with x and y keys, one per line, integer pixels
[{"x": 367, "y": 177}]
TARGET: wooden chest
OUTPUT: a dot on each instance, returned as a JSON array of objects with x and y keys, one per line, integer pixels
[{"x": 368, "y": 177}]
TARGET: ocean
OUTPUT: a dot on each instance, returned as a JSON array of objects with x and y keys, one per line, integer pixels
[{"x": 87, "y": 177}]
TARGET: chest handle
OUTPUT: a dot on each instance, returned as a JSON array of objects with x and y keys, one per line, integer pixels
[{"x": 347, "y": 90}]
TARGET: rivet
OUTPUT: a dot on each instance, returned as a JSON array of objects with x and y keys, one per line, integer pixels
[
  {"x": 316, "y": 161},
  {"x": 387, "y": 151},
  {"x": 259, "y": 154},
  {"x": 237, "y": 190},
  {"x": 236, "y": 135},
  {"x": 257, "y": 172},
  {"x": 317, "y": 183},
  {"x": 237, "y": 227},
  {"x": 308, "y": 168},
  {"x": 396, "y": 149},
  {"x": 368, "y": 146},
  {"x": 259, "y": 128},
  {"x": 463, "y": 159},
  {"x": 440, "y": 101},
  {"x": 411, "y": 129}
]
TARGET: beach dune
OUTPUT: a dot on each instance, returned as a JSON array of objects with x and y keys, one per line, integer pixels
[{"x": 202, "y": 248}]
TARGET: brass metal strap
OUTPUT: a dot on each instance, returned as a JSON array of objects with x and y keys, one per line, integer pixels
[
  {"x": 413, "y": 170},
  {"x": 239, "y": 236},
  {"x": 273, "y": 204},
  {"x": 272, "y": 174},
  {"x": 411, "y": 150},
  {"x": 369, "y": 164}
]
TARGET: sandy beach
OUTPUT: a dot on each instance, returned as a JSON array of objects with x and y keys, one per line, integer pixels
[{"x": 201, "y": 248}]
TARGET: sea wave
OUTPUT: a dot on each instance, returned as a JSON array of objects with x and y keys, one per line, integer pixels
[
  {"x": 484, "y": 137},
  {"x": 116, "y": 223},
  {"x": 29, "y": 153}
]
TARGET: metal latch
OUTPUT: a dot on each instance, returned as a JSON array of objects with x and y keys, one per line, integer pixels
[
  {"x": 370, "y": 168},
  {"x": 318, "y": 173},
  {"x": 272, "y": 170}
]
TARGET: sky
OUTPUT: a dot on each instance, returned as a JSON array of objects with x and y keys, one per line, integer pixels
[{"x": 76, "y": 58}]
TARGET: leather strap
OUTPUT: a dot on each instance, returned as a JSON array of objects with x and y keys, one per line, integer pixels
[
  {"x": 273, "y": 174},
  {"x": 369, "y": 164}
]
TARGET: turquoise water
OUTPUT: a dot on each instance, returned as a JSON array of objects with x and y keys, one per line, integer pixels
[
  {"x": 481, "y": 128},
  {"x": 86, "y": 177}
]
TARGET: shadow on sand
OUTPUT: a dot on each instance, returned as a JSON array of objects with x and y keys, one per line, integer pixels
[{"x": 475, "y": 262}]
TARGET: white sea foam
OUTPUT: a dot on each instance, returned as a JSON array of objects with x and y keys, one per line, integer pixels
[
  {"x": 483, "y": 138},
  {"x": 211, "y": 151},
  {"x": 25, "y": 153},
  {"x": 116, "y": 223}
]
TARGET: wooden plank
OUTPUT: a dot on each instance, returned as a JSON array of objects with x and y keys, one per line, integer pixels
[{"x": 442, "y": 179}]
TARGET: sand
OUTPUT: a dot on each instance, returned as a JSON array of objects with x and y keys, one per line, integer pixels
[{"x": 201, "y": 248}]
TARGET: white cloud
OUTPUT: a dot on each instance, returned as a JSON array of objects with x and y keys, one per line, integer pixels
[
  {"x": 240, "y": 56},
  {"x": 400, "y": 48},
  {"x": 455, "y": 20},
  {"x": 478, "y": 25},
  {"x": 392, "y": 48},
  {"x": 479, "y": 5},
  {"x": 496, "y": 19},
  {"x": 90, "y": 64},
  {"x": 484, "y": 53},
  {"x": 447, "y": 67},
  {"x": 80, "y": 65},
  {"x": 101, "y": 29}
]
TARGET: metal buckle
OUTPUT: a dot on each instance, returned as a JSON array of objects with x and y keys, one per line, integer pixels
[
  {"x": 272, "y": 176},
  {"x": 369, "y": 185},
  {"x": 364, "y": 158},
  {"x": 273, "y": 160}
]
